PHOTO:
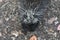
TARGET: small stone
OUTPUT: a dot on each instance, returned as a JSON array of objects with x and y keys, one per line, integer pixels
[
  {"x": 6, "y": 19},
  {"x": 58, "y": 28},
  {"x": 51, "y": 30},
  {"x": 0, "y": 34},
  {"x": 56, "y": 18},
  {"x": 1, "y": 0},
  {"x": 13, "y": 19},
  {"x": 15, "y": 33},
  {"x": 50, "y": 21},
  {"x": 56, "y": 22},
  {"x": 55, "y": 34},
  {"x": 25, "y": 38},
  {"x": 13, "y": 38}
]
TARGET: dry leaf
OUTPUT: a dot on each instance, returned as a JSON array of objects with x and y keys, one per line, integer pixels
[{"x": 33, "y": 38}]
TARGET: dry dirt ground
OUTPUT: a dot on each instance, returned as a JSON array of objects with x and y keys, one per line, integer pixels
[{"x": 10, "y": 26}]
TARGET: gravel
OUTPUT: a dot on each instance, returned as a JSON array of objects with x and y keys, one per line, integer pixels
[{"x": 11, "y": 16}]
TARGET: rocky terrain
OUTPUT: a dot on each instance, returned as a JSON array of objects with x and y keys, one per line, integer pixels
[{"x": 10, "y": 20}]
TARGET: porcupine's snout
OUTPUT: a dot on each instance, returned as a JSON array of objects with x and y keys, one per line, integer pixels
[{"x": 30, "y": 26}]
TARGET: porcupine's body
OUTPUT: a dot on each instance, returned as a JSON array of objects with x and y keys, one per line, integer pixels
[{"x": 31, "y": 13}]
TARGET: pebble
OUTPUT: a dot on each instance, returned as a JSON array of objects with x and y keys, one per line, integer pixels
[
  {"x": 58, "y": 28},
  {"x": 15, "y": 33},
  {"x": 0, "y": 34},
  {"x": 13, "y": 38},
  {"x": 51, "y": 20},
  {"x": 1, "y": 0},
  {"x": 55, "y": 34},
  {"x": 56, "y": 22},
  {"x": 56, "y": 18},
  {"x": 6, "y": 19},
  {"x": 51, "y": 30},
  {"x": 13, "y": 19},
  {"x": 25, "y": 38}
]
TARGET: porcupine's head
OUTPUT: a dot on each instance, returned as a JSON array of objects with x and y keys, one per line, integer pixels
[{"x": 31, "y": 13}]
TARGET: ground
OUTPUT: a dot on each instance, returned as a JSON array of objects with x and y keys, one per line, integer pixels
[{"x": 10, "y": 26}]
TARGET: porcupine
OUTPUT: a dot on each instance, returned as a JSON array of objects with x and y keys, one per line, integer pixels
[{"x": 32, "y": 13}]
